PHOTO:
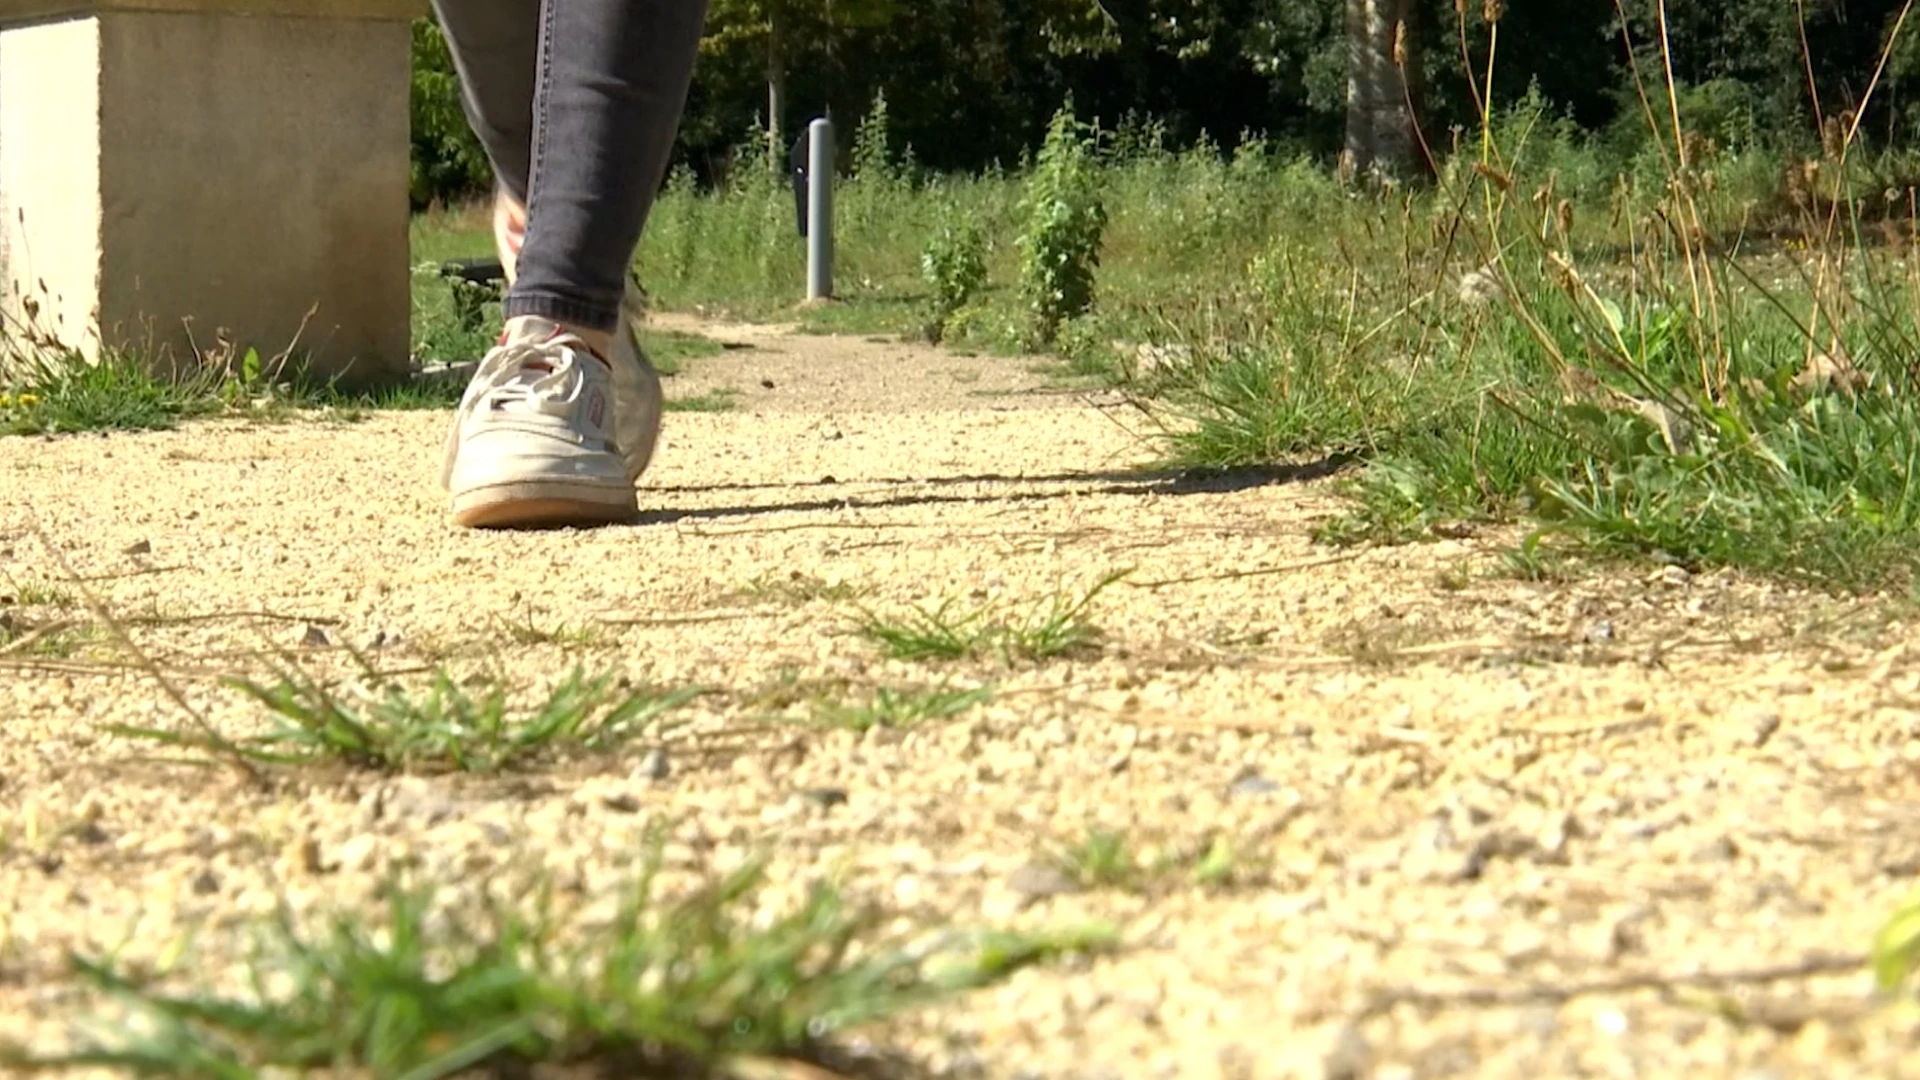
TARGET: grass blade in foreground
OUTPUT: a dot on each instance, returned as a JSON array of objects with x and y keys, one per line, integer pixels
[{"x": 669, "y": 987}]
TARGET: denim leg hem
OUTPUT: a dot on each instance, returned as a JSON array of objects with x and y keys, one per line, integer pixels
[{"x": 562, "y": 309}]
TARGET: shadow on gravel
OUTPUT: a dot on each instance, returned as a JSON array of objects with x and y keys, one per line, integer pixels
[{"x": 1117, "y": 482}]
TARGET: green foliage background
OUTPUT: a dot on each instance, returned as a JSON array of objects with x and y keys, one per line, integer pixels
[
  {"x": 972, "y": 83},
  {"x": 447, "y": 159}
]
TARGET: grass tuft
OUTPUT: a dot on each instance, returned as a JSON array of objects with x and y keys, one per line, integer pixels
[
  {"x": 38, "y": 594},
  {"x": 52, "y": 639},
  {"x": 1109, "y": 859},
  {"x": 668, "y": 987},
  {"x": 890, "y": 708},
  {"x": 1061, "y": 627},
  {"x": 443, "y": 729},
  {"x": 1103, "y": 859},
  {"x": 525, "y": 632},
  {"x": 798, "y": 588},
  {"x": 670, "y": 350},
  {"x": 724, "y": 399},
  {"x": 930, "y": 633},
  {"x": 1626, "y": 370},
  {"x": 61, "y": 393}
]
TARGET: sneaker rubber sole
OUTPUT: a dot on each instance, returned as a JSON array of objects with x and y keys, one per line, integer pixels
[{"x": 543, "y": 504}]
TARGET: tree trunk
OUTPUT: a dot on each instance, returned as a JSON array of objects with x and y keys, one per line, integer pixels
[
  {"x": 776, "y": 97},
  {"x": 1381, "y": 142}
]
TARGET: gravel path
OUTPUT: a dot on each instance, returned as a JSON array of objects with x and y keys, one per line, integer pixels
[{"x": 1393, "y": 812}]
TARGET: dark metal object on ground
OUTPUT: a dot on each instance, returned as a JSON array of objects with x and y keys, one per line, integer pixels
[{"x": 475, "y": 281}]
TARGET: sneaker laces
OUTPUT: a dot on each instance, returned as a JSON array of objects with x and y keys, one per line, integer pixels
[{"x": 542, "y": 378}]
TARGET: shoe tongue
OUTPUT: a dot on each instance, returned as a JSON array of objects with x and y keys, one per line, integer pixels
[
  {"x": 530, "y": 330},
  {"x": 534, "y": 330}
]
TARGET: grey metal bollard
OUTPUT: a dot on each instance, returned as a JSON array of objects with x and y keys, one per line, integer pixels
[{"x": 820, "y": 210}]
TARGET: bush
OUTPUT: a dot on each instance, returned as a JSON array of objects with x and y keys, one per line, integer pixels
[
  {"x": 1066, "y": 219},
  {"x": 448, "y": 161},
  {"x": 955, "y": 269},
  {"x": 872, "y": 153}
]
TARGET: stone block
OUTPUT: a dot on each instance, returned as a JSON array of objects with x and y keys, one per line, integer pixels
[{"x": 176, "y": 170}]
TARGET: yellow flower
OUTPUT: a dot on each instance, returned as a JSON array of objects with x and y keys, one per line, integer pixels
[
  {"x": 6, "y": 401},
  {"x": 28, "y": 401}
]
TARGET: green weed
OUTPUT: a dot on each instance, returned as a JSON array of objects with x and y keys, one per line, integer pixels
[
  {"x": 1896, "y": 949},
  {"x": 1634, "y": 388},
  {"x": 452, "y": 321},
  {"x": 941, "y": 633},
  {"x": 1061, "y": 628}
]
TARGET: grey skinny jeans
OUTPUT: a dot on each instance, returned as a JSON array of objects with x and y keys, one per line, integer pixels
[{"x": 577, "y": 103}]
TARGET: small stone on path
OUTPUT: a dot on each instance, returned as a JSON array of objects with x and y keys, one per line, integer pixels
[
  {"x": 826, "y": 797},
  {"x": 1038, "y": 880},
  {"x": 1254, "y": 784},
  {"x": 1349, "y": 1057},
  {"x": 654, "y": 766},
  {"x": 359, "y": 853},
  {"x": 1719, "y": 850}
]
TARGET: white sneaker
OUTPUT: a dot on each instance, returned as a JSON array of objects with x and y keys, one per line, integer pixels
[
  {"x": 636, "y": 385},
  {"x": 533, "y": 443}
]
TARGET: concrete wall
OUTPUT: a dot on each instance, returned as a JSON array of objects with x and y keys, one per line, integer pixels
[{"x": 187, "y": 172}]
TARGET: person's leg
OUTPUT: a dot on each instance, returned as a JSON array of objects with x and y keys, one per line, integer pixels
[
  {"x": 577, "y": 103},
  {"x": 496, "y": 50},
  {"x": 587, "y": 93},
  {"x": 613, "y": 81}
]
